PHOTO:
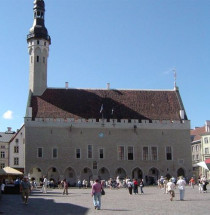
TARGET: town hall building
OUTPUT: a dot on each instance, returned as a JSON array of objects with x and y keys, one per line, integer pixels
[{"x": 100, "y": 133}]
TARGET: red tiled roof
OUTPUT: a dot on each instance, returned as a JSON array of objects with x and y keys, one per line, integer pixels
[
  {"x": 195, "y": 133},
  {"x": 127, "y": 104}
]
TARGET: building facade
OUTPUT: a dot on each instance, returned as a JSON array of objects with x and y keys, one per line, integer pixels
[
  {"x": 200, "y": 146},
  {"x": 5, "y": 138},
  {"x": 86, "y": 134},
  {"x": 17, "y": 150},
  {"x": 205, "y": 147},
  {"x": 196, "y": 150}
]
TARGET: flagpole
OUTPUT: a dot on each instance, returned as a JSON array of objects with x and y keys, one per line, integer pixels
[{"x": 101, "y": 111}]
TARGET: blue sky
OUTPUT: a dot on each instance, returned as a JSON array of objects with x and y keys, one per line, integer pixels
[{"x": 132, "y": 44}]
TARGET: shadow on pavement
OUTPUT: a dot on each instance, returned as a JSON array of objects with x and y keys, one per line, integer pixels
[{"x": 12, "y": 205}]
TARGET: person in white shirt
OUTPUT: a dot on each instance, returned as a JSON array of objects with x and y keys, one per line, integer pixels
[
  {"x": 2, "y": 187},
  {"x": 44, "y": 187},
  {"x": 130, "y": 187},
  {"x": 181, "y": 185},
  {"x": 170, "y": 188}
]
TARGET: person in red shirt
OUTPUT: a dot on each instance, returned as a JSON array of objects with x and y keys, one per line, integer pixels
[
  {"x": 96, "y": 194},
  {"x": 192, "y": 182},
  {"x": 135, "y": 186}
]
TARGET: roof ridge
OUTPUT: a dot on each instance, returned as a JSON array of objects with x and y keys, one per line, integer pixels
[{"x": 54, "y": 88}]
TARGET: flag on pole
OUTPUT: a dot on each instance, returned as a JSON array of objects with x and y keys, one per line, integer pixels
[{"x": 102, "y": 107}]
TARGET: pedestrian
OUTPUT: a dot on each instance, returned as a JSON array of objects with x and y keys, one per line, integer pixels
[
  {"x": 96, "y": 194},
  {"x": 34, "y": 185},
  {"x": 65, "y": 187},
  {"x": 79, "y": 183},
  {"x": 83, "y": 183},
  {"x": 3, "y": 186},
  {"x": 126, "y": 182},
  {"x": 205, "y": 183},
  {"x": 44, "y": 186},
  {"x": 25, "y": 189},
  {"x": 170, "y": 188},
  {"x": 192, "y": 182},
  {"x": 165, "y": 181},
  {"x": 141, "y": 184},
  {"x": 135, "y": 186},
  {"x": 173, "y": 180},
  {"x": 161, "y": 182},
  {"x": 181, "y": 185},
  {"x": 200, "y": 185},
  {"x": 130, "y": 186}
]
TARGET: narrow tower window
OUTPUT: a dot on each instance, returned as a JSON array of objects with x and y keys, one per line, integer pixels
[
  {"x": 37, "y": 58},
  {"x": 78, "y": 153},
  {"x": 101, "y": 153},
  {"x": 90, "y": 151},
  {"x": 37, "y": 42},
  {"x": 43, "y": 59}
]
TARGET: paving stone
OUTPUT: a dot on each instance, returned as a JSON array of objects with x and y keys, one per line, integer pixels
[{"x": 79, "y": 202}]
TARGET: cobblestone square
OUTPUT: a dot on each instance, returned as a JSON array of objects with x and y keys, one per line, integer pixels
[{"x": 79, "y": 201}]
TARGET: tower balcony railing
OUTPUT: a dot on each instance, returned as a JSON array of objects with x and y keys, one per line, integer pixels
[{"x": 38, "y": 35}]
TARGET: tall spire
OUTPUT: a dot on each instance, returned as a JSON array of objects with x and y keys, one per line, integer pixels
[
  {"x": 38, "y": 30},
  {"x": 38, "y": 48}
]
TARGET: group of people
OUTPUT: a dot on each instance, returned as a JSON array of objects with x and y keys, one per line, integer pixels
[
  {"x": 169, "y": 186},
  {"x": 202, "y": 184},
  {"x": 133, "y": 185},
  {"x": 26, "y": 187}
]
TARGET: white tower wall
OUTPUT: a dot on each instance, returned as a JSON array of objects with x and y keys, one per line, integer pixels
[{"x": 38, "y": 55}]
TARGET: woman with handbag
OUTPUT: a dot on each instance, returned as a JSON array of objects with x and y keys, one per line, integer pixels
[{"x": 96, "y": 194}]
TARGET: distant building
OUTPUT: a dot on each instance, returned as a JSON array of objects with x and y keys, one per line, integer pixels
[
  {"x": 200, "y": 145},
  {"x": 196, "y": 150},
  {"x": 5, "y": 138},
  {"x": 87, "y": 133},
  {"x": 17, "y": 150},
  {"x": 205, "y": 147}
]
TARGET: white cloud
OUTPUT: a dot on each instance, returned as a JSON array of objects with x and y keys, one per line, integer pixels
[{"x": 8, "y": 115}]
